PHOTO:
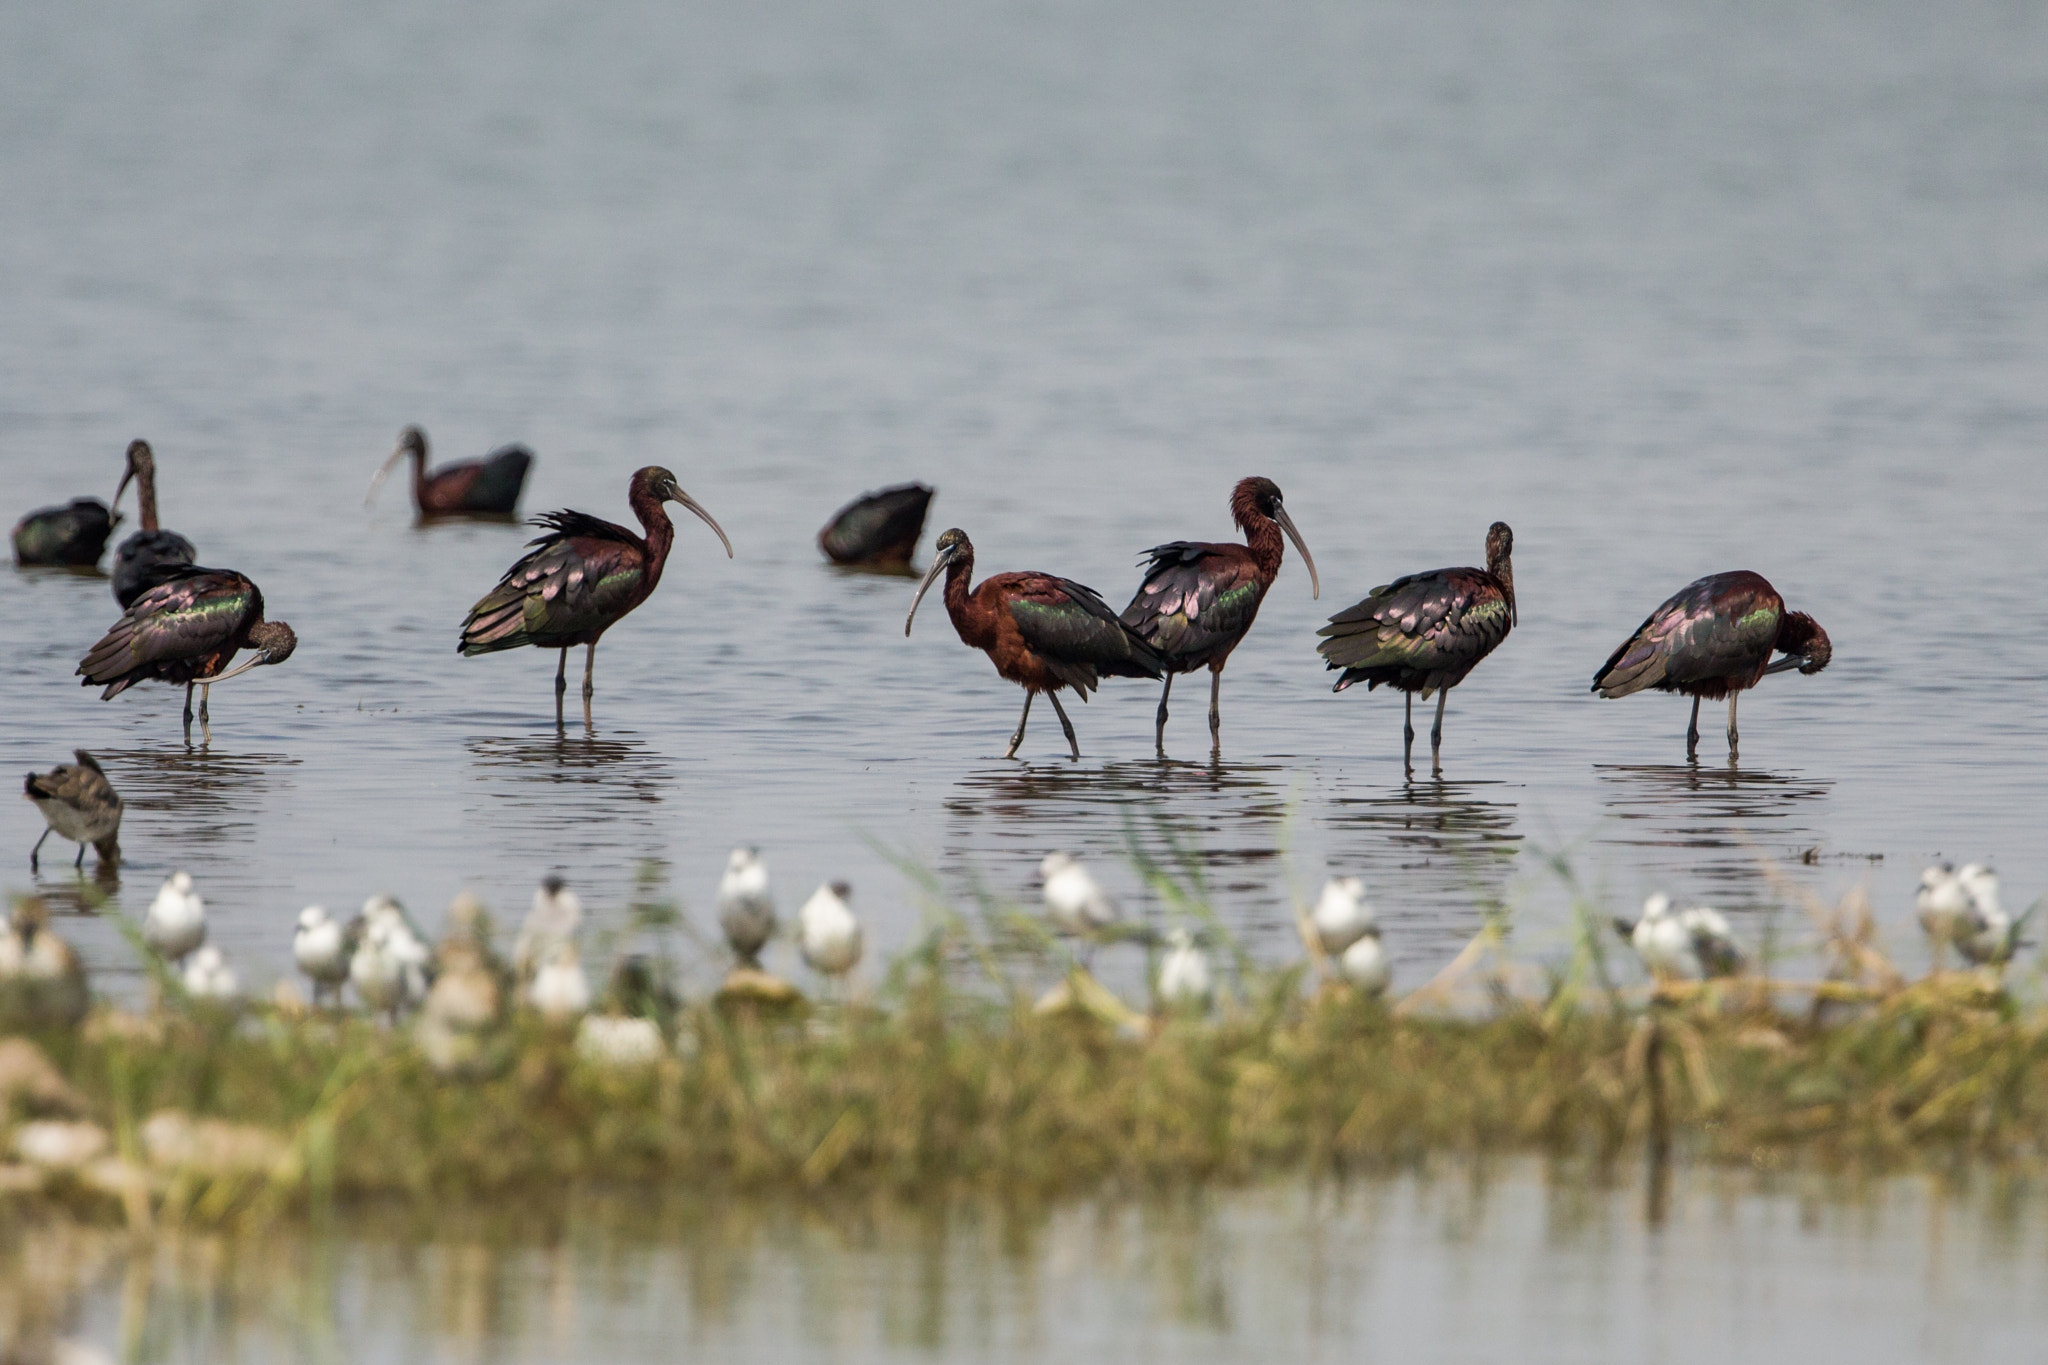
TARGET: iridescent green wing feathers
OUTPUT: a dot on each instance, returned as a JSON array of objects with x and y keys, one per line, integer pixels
[
  {"x": 1074, "y": 631},
  {"x": 1426, "y": 630},
  {"x": 1196, "y": 601},
  {"x": 193, "y": 613},
  {"x": 1723, "y": 626},
  {"x": 579, "y": 578}
]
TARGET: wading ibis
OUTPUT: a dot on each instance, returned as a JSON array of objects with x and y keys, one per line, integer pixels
[
  {"x": 186, "y": 629},
  {"x": 1042, "y": 633},
  {"x": 578, "y": 580},
  {"x": 1424, "y": 633},
  {"x": 77, "y": 802},
  {"x": 1200, "y": 597},
  {"x": 488, "y": 487},
  {"x": 140, "y": 560},
  {"x": 1712, "y": 639},
  {"x": 74, "y": 535},
  {"x": 879, "y": 529}
]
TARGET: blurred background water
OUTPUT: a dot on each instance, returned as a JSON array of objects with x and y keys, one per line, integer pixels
[{"x": 1672, "y": 288}]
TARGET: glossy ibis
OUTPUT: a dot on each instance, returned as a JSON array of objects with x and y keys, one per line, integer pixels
[
  {"x": 139, "y": 561},
  {"x": 1424, "y": 633},
  {"x": 1184, "y": 982},
  {"x": 186, "y": 629},
  {"x": 1712, "y": 639},
  {"x": 322, "y": 946},
  {"x": 80, "y": 804},
  {"x": 1042, "y": 633},
  {"x": 828, "y": 935},
  {"x": 74, "y": 535},
  {"x": 746, "y": 908},
  {"x": 879, "y": 529},
  {"x": 1200, "y": 597},
  {"x": 175, "y": 922},
  {"x": 488, "y": 487},
  {"x": 580, "y": 578}
]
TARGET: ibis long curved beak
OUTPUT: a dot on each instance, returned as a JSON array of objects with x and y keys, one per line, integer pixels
[
  {"x": 262, "y": 657},
  {"x": 1315, "y": 586},
  {"x": 126, "y": 477},
  {"x": 686, "y": 500},
  {"x": 377, "y": 480},
  {"x": 931, "y": 576},
  {"x": 1789, "y": 661}
]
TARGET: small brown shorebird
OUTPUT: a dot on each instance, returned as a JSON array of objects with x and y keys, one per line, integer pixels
[{"x": 78, "y": 803}]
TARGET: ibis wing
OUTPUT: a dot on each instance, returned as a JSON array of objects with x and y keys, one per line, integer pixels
[
  {"x": 190, "y": 613},
  {"x": 882, "y": 524},
  {"x": 1196, "y": 602},
  {"x": 567, "y": 585},
  {"x": 1443, "y": 621},
  {"x": 1721, "y": 626},
  {"x": 1071, "y": 628}
]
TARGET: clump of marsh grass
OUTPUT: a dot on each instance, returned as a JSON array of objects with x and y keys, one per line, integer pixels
[{"x": 946, "y": 1078}]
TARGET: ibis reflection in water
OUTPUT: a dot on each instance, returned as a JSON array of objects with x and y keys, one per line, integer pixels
[
  {"x": 141, "y": 559},
  {"x": 1424, "y": 633},
  {"x": 1711, "y": 639},
  {"x": 187, "y": 629},
  {"x": 1200, "y": 597},
  {"x": 489, "y": 487},
  {"x": 77, "y": 802},
  {"x": 1042, "y": 633},
  {"x": 878, "y": 530},
  {"x": 579, "y": 579}
]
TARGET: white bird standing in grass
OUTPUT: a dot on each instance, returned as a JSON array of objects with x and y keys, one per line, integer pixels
[
  {"x": 42, "y": 980},
  {"x": 389, "y": 967},
  {"x": 560, "y": 991},
  {"x": 1660, "y": 939},
  {"x": 1074, "y": 903},
  {"x": 175, "y": 923},
  {"x": 554, "y": 918},
  {"x": 1365, "y": 964},
  {"x": 828, "y": 935},
  {"x": 1341, "y": 916},
  {"x": 209, "y": 977},
  {"x": 1184, "y": 982},
  {"x": 321, "y": 948},
  {"x": 1987, "y": 935},
  {"x": 1713, "y": 944},
  {"x": 1943, "y": 905},
  {"x": 619, "y": 1040},
  {"x": 746, "y": 909}
]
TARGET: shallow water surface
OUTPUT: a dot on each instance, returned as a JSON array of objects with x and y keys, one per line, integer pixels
[
  {"x": 1672, "y": 288},
  {"x": 1503, "y": 1263}
]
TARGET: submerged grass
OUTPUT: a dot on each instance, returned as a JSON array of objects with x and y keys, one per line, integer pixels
[{"x": 950, "y": 1081}]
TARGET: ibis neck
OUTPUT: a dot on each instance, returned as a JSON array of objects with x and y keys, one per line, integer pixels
[
  {"x": 1503, "y": 568},
  {"x": 959, "y": 603},
  {"x": 1262, "y": 535},
  {"x": 145, "y": 496},
  {"x": 661, "y": 533},
  {"x": 419, "y": 475}
]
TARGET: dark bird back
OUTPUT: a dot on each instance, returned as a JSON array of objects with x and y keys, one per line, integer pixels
[
  {"x": 1710, "y": 638},
  {"x": 141, "y": 560},
  {"x": 578, "y": 578},
  {"x": 1425, "y": 631},
  {"x": 184, "y": 629},
  {"x": 879, "y": 528},
  {"x": 74, "y": 535}
]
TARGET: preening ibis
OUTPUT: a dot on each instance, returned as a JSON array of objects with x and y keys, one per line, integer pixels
[
  {"x": 140, "y": 559},
  {"x": 1042, "y": 633},
  {"x": 878, "y": 529},
  {"x": 486, "y": 487},
  {"x": 1200, "y": 597},
  {"x": 186, "y": 629},
  {"x": 1424, "y": 633},
  {"x": 578, "y": 580},
  {"x": 74, "y": 535},
  {"x": 1712, "y": 639},
  {"x": 80, "y": 804}
]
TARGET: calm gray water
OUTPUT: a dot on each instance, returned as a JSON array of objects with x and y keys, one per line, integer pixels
[
  {"x": 1504, "y": 1265},
  {"x": 1671, "y": 287}
]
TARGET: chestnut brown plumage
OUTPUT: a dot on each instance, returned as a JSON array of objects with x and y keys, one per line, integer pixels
[
  {"x": 489, "y": 487},
  {"x": 1040, "y": 631}
]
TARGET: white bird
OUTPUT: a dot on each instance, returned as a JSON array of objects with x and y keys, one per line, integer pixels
[
  {"x": 554, "y": 918},
  {"x": 1986, "y": 935},
  {"x": 828, "y": 935},
  {"x": 1184, "y": 972},
  {"x": 1660, "y": 939},
  {"x": 389, "y": 966},
  {"x": 1365, "y": 963},
  {"x": 1943, "y": 904},
  {"x": 321, "y": 948},
  {"x": 176, "y": 921},
  {"x": 1341, "y": 916},
  {"x": 209, "y": 977},
  {"x": 560, "y": 990},
  {"x": 1713, "y": 945},
  {"x": 617, "y": 1040},
  {"x": 746, "y": 909},
  {"x": 1073, "y": 902}
]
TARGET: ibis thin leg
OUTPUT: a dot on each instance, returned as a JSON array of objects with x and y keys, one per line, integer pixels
[
  {"x": 188, "y": 704},
  {"x": 1018, "y": 738},
  {"x": 1159, "y": 731},
  {"x": 1408, "y": 731},
  {"x": 79, "y": 861},
  {"x": 561, "y": 682},
  {"x": 1734, "y": 739},
  {"x": 1068, "y": 726},
  {"x": 1216, "y": 708},
  {"x": 205, "y": 693},
  {"x": 589, "y": 669},
  {"x": 1692, "y": 731},
  {"x": 1436, "y": 735}
]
